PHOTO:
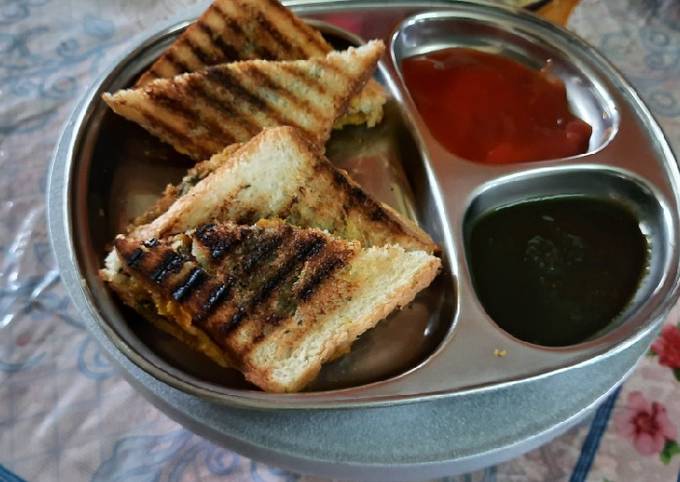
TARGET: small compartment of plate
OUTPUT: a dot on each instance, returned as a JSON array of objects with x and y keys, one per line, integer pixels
[
  {"x": 619, "y": 190},
  {"x": 516, "y": 39}
]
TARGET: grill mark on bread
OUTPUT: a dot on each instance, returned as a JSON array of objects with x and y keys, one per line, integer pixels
[
  {"x": 172, "y": 104},
  {"x": 262, "y": 52},
  {"x": 321, "y": 274},
  {"x": 265, "y": 246},
  {"x": 199, "y": 293},
  {"x": 302, "y": 76},
  {"x": 135, "y": 257},
  {"x": 299, "y": 101},
  {"x": 180, "y": 138},
  {"x": 237, "y": 35},
  {"x": 218, "y": 295},
  {"x": 344, "y": 76},
  {"x": 178, "y": 106},
  {"x": 197, "y": 51},
  {"x": 171, "y": 262},
  {"x": 196, "y": 277},
  {"x": 229, "y": 53},
  {"x": 302, "y": 27},
  {"x": 301, "y": 251},
  {"x": 357, "y": 198},
  {"x": 228, "y": 20},
  {"x": 263, "y": 249},
  {"x": 212, "y": 99},
  {"x": 219, "y": 244},
  {"x": 225, "y": 79},
  {"x": 160, "y": 262},
  {"x": 234, "y": 321},
  {"x": 177, "y": 64},
  {"x": 304, "y": 250},
  {"x": 262, "y": 77},
  {"x": 290, "y": 51}
]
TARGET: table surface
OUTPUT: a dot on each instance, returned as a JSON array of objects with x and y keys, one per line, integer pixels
[{"x": 66, "y": 415}]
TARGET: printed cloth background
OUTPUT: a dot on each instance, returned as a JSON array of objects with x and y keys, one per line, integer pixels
[{"x": 65, "y": 415}]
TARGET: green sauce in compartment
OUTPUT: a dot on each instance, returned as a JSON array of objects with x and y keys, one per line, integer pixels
[{"x": 556, "y": 271}]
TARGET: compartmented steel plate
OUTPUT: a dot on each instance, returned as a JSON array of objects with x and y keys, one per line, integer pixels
[{"x": 106, "y": 170}]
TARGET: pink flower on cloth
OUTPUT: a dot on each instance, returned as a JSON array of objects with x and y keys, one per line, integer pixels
[
  {"x": 667, "y": 346},
  {"x": 646, "y": 424}
]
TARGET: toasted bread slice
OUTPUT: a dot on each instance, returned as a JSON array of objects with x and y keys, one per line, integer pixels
[
  {"x": 171, "y": 193},
  {"x": 200, "y": 113},
  {"x": 272, "y": 300},
  {"x": 280, "y": 174},
  {"x": 233, "y": 30}
]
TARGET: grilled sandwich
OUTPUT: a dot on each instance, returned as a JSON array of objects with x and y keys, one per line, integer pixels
[
  {"x": 233, "y": 30},
  {"x": 280, "y": 174},
  {"x": 202, "y": 112},
  {"x": 272, "y": 300}
]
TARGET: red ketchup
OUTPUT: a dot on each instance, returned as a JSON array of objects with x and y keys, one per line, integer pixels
[{"x": 489, "y": 108}]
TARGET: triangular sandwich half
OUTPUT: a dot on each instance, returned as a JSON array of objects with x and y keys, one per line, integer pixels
[
  {"x": 280, "y": 174},
  {"x": 200, "y": 113},
  {"x": 233, "y": 30},
  {"x": 272, "y": 300}
]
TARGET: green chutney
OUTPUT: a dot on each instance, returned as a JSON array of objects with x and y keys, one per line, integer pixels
[{"x": 556, "y": 271}]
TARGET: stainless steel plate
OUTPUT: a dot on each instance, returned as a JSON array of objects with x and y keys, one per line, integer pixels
[{"x": 106, "y": 170}]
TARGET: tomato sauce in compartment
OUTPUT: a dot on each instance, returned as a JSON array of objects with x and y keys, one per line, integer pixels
[{"x": 489, "y": 108}]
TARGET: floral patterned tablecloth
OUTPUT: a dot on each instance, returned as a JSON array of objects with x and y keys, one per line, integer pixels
[{"x": 66, "y": 415}]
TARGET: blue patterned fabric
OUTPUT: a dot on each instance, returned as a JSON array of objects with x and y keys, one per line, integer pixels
[
  {"x": 7, "y": 476},
  {"x": 592, "y": 440}
]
